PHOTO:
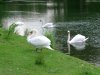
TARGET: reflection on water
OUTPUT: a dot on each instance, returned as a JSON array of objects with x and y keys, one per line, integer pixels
[{"x": 83, "y": 20}]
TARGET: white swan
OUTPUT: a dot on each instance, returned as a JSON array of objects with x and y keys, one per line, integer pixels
[
  {"x": 39, "y": 41},
  {"x": 20, "y": 29},
  {"x": 78, "y": 41},
  {"x": 19, "y": 23},
  {"x": 47, "y": 25}
]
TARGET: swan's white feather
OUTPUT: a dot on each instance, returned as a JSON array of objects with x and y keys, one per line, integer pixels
[
  {"x": 39, "y": 41},
  {"x": 47, "y": 25},
  {"x": 19, "y": 23},
  {"x": 20, "y": 30},
  {"x": 78, "y": 38}
]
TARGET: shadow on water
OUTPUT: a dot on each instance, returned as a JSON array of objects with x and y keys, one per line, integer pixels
[{"x": 78, "y": 17}]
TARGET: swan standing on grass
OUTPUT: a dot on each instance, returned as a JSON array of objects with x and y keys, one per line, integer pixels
[
  {"x": 78, "y": 41},
  {"x": 39, "y": 41},
  {"x": 20, "y": 29}
]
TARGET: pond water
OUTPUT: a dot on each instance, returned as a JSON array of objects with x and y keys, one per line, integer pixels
[{"x": 79, "y": 18}]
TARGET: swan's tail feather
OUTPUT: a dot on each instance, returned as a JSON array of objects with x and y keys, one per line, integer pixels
[
  {"x": 49, "y": 47},
  {"x": 86, "y": 39}
]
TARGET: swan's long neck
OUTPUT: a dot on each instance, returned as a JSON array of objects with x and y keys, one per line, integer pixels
[
  {"x": 42, "y": 26},
  {"x": 68, "y": 37},
  {"x": 68, "y": 42}
]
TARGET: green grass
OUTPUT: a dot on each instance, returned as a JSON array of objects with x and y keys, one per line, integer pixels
[
  {"x": 50, "y": 35},
  {"x": 17, "y": 57}
]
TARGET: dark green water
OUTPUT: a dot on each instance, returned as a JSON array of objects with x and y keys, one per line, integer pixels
[{"x": 83, "y": 18}]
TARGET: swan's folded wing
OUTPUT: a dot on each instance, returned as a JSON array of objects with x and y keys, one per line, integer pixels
[
  {"x": 40, "y": 41},
  {"x": 78, "y": 38}
]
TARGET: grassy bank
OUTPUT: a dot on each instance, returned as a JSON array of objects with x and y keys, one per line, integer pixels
[{"x": 17, "y": 57}]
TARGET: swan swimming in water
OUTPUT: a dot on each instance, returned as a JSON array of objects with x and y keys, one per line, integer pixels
[
  {"x": 19, "y": 23},
  {"x": 47, "y": 25},
  {"x": 39, "y": 41},
  {"x": 78, "y": 41},
  {"x": 20, "y": 29}
]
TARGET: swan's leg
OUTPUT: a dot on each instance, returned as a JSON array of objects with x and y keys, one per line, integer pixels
[
  {"x": 41, "y": 49},
  {"x": 38, "y": 50}
]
